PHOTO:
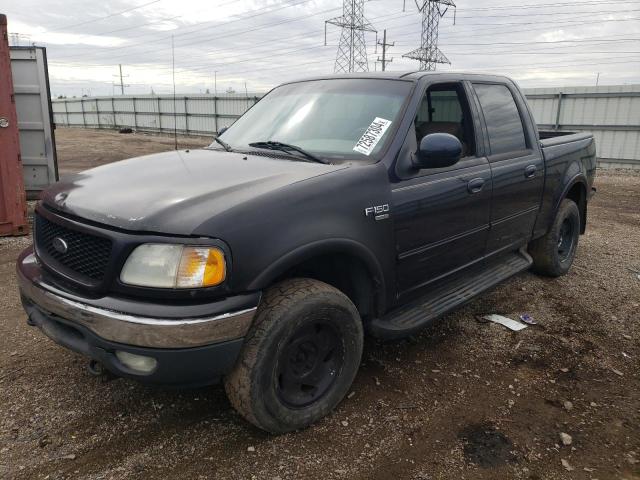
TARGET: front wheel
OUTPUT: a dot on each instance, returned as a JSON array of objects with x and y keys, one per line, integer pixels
[
  {"x": 299, "y": 358},
  {"x": 553, "y": 253}
]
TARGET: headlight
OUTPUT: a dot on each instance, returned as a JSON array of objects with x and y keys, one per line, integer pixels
[{"x": 164, "y": 265}]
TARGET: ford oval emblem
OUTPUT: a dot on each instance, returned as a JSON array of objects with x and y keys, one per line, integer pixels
[{"x": 60, "y": 245}]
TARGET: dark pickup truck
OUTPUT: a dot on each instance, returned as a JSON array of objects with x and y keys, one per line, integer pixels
[{"x": 335, "y": 206}]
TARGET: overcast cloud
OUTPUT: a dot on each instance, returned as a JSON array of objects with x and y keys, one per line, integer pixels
[{"x": 537, "y": 42}]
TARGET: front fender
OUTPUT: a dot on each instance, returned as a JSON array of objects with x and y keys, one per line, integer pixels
[{"x": 322, "y": 247}]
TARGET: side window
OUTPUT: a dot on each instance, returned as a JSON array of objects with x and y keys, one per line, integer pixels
[
  {"x": 445, "y": 106},
  {"x": 444, "y": 110},
  {"x": 504, "y": 125}
]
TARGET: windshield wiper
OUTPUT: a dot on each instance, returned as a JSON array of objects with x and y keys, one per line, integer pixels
[
  {"x": 224, "y": 144},
  {"x": 287, "y": 148}
]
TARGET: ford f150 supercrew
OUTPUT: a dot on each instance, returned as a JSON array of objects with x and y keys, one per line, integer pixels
[{"x": 335, "y": 206}]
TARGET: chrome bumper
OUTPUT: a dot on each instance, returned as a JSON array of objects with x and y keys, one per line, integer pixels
[{"x": 137, "y": 330}]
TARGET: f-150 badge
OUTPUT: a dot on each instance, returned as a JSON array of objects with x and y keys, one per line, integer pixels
[{"x": 379, "y": 212}]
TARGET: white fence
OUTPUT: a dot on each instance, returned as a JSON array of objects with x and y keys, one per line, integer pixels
[
  {"x": 194, "y": 114},
  {"x": 612, "y": 113}
]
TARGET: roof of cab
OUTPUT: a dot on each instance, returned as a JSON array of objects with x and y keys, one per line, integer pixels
[{"x": 406, "y": 75}]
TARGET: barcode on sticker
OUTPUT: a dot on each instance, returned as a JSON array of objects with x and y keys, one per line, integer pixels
[{"x": 372, "y": 136}]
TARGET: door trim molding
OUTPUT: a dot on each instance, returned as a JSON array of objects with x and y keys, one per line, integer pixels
[
  {"x": 514, "y": 215},
  {"x": 439, "y": 243}
]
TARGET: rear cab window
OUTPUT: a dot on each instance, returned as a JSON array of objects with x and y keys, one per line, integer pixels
[{"x": 502, "y": 118}]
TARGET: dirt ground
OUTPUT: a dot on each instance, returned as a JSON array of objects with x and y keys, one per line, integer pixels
[
  {"x": 462, "y": 400},
  {"x": 79, "y": 149}
]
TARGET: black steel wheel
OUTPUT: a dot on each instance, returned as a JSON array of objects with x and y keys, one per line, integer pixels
[
  {"x": 309, "y": 364},
  {"x": 566, "y": 239},
  {"x": 554, "y": 252},
  {"x": 299, "y": 358}
]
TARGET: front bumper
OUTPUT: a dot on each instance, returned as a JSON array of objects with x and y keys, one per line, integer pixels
[{"x": 189, "y": 349}]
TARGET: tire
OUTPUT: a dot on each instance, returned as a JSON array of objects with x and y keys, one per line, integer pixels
[
  {"x": 553, "y": 253},
  {"x": 299, "y": 358}
]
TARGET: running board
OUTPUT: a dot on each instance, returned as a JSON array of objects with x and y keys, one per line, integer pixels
[{"x": 454, "y": 292}]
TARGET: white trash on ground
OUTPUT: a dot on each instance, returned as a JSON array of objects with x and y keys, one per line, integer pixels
[{"x": 506, "y": 321}]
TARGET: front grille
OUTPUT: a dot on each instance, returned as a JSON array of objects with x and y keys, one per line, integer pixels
[{"x": 87, "y": 255}]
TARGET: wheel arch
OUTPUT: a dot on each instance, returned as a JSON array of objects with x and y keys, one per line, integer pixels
[
  {"x": 576, "y": 190},
  {"x": 345, "y": 264}
]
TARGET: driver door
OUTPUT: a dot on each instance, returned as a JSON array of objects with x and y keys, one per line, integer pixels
[{"x": 441, "y": 215}]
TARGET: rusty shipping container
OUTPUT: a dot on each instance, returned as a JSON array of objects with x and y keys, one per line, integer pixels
[{"x": 13, "y": 207}]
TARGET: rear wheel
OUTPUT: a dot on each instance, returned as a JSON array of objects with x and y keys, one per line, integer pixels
[
  {"x": 299, "y": 358},
  {"x": 553, "y": 253}
]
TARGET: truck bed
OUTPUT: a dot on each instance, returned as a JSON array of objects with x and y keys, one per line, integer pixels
[
  {"x": 567, "y": 145},
  {"x": 550, "y": 138}
]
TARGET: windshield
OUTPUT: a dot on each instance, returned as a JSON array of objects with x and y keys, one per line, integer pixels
[{"x": 341, "y": 119}]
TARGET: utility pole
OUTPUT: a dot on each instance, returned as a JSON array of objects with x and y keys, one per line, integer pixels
[
  {"x": 215, "y": 83},
  {"x": 597, "y": 79},
  {"x": 428, "y": 54},
  {"x": 175, "y": 108},
  {"x": 121, "y": 82},
  {"x": 384, "y": 46},
  {"x": 352, "y": 50},
  {"x": 122, "y": 77}
]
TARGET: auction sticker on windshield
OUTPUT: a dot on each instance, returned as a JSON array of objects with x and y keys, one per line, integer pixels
[{"x": 372, "y": 136}]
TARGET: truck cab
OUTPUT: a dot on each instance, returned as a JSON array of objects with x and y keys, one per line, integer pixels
[{"x": 335, "y": 207}]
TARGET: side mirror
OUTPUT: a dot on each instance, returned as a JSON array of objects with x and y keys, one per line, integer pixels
[
  {"x": 438, "y": 150},
  {"x": 222, "y": 130}
]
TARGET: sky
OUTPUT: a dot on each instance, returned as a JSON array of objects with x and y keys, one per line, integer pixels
[{"x": 253, "y": 45}]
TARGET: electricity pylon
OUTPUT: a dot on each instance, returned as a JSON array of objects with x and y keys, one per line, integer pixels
[
  {"x": 428, "y": 53},
  {"x": 352, "y": 50}
]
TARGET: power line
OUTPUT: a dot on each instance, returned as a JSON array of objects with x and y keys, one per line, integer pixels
[
  {"x": 549, "y": 5},
  {"x": 502, "y": 8},
  {"x": 305, "y": 35},
  {"x": 603, "y": 41},
  {"x": 261, "y": 11},
  {"x": 133, "y": 27},
  {"x": 105, "y": 17},
  {"x": 581, "y": 23},
  {"x": 564, "y": 43},
  {"x": 500, "y": 27},
  {"x": 138, "y": 26},
  {"x": 278, "y": 53},
  {"x": 199, "y": 39},
  {"x": 251, "y": 55},
  {"x": 306, "y": 64},
  {"x": 264, "y": 26},
  {"x": 287, "y": 75},
  {"x": 196, "y": 70},
  {"x": 532, "y": 14}
]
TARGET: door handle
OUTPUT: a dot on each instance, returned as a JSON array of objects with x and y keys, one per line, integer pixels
[
  {"x": 475, "y": 185},
  {"x": 530, "y": 171}
]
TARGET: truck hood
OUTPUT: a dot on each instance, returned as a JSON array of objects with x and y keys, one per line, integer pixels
[{"x": 174, "y": 192}]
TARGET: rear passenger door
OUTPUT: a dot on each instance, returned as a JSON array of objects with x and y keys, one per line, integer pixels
[{"x": 516, "y": 163}]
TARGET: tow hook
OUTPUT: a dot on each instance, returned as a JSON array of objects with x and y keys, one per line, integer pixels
[{"x": 97, "y": 369}]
